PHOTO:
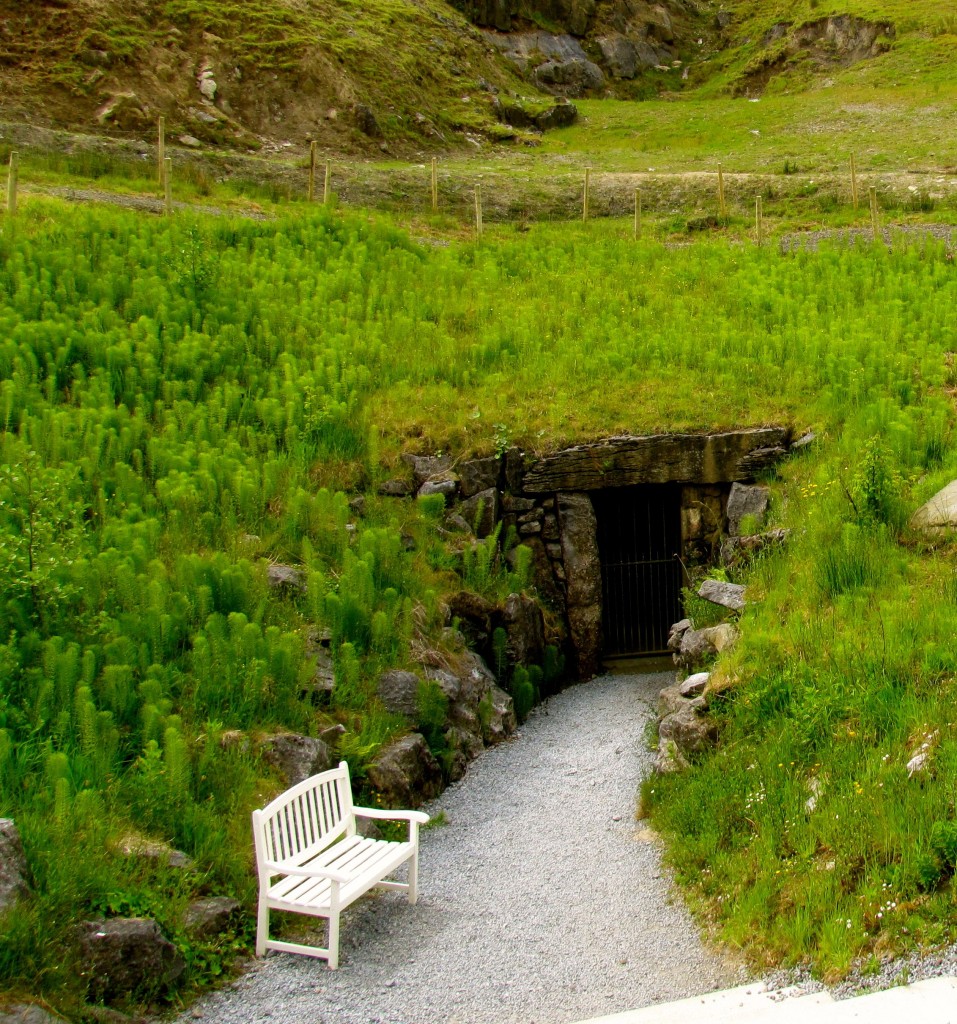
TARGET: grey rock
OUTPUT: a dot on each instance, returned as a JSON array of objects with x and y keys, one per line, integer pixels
[
  {"x": 481, "y": 511},
  {"x": 525, "y": 626},
  {"x": 578, "y": 528},
  {"x": 478, "y": 475},
  {"x": 296, "y": 757},
  {"x": 395, "y": 489},
  {"x": 143, "y": 848},
  {"x": 735, "y": 550},
  {"x": 27, "y": 1013},
  {"x": 444, "y": 483},
  {"x": 670, "y": 700},
  {"x": 938, "y": 516},
  {"x": 699, "y": 646},
  {"x": 424, "y": 467},
  {"x": 323, "y": 679},
  {"x": 515, "y": 470},
  {"x": 669, "y": 759},
  {"x": 676, "y": 632},
  {"x": 656, "y": 459},
  {"x": 727, "y": 595},
  {"x": 458, "y": 524},
  {"x": 126, "y": 957},
  {"x": 207, "y": 918},
  {"x": 476, "y": 678},
  {"x": 287, "y": 578},
  {"x": 405, "y": 773},
  {"x": 572, "y": 77},
  {"x": 448, "y": 682},
  {"x": 190, "y": 141},
  {"x": 804, "y": 441},
  {"x": 561, "y": 115},
  {"x": 746, "y": 500},
  {"x": 619, "y": 54},
  {"x": 722, "y": 20},
  {"x": 694, "y": 685},
  {"x": 365, "y": 120},
  {"x": 474, "y": 615},
  {"x": 512, "y": 503},
  {"x": 690, "y": 732},
  {"x": 399, "y": 692},
  {"x": 13, "y": 865},
  {"x": 498, "y": 721}
]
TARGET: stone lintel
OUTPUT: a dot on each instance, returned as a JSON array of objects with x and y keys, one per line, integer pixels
[{"x": 658, "y": 459}]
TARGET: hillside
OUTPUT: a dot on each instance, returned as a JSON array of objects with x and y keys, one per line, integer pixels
[{"x": 398, "y": 77}]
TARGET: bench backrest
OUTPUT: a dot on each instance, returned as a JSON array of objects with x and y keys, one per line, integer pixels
[{"x": 306, "y": 818}]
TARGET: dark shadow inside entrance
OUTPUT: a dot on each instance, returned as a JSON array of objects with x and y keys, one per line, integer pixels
[{"x": 639, "y": 544}]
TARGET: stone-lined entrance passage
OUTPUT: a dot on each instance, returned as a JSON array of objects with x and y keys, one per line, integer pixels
[
  {"x": 639, "y": 545},
  {"x": 550, "y": 503}
]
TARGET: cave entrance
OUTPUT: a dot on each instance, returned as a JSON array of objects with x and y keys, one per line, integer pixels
[{"x": 639, "y": 545}]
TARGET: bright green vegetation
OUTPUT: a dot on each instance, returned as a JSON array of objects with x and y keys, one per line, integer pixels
[{"x": 183, "y": 401}]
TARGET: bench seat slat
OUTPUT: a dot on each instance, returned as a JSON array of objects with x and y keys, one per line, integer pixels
[{"x": 368, "y": 861}]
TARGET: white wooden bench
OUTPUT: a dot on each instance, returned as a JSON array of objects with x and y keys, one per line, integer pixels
[{"x": 311, "y": 861}]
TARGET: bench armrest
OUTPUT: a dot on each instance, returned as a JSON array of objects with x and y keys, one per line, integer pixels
[
  {"x": 290, "y": 869},
  {"x": 419, "y": 817}
]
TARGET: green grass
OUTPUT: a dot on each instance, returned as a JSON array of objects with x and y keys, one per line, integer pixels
[{"x": 183, "y": 400}]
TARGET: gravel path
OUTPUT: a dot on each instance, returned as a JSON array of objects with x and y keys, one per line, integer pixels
[{"x": 542, "y": 901}]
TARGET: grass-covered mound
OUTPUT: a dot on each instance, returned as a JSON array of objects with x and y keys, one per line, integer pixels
[{"x": 185, "y": 400}]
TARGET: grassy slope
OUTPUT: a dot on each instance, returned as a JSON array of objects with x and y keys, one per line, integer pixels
[{"x": 280, "y": 66}]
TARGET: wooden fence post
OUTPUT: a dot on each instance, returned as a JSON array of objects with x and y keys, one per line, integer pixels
[
  {"x": 853, "y": 183},
  {"x": 435, "y": 185},
  {"x": 312, "y": 171},
  {"x": 13, "y": 175},
  {"x": 875, "y": 227},
  {"x": 161, "y": 150},
  {"x": 637, "y": 214},
  {"x": 478, "y": 212},
  {"x": 325, "y": 183},
  {"x": 759, "y": 219},
  {"x": 168, "y": 184},
  {"x": 722, "y": 209},
  {"x": 585, "y": 195}
]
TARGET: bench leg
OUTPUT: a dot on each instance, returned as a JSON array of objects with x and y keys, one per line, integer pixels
[
  {"x": 414, "y": 878},
  {"x": 262, "y": 928},
  {"x": 333, "y": 941}
]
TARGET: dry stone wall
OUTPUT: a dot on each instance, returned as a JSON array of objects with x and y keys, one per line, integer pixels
[{"x": 546, "y": 501}]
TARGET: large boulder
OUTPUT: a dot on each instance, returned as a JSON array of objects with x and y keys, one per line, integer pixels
[
  {"x": 746, "y": 501},
  {"x": 578, "y": 527},
  {"x": 127, "y": 957},
  {"x": 296, "y": 757},
  {"x": 619, "y": 55},
  {"x": 572, "y": 77},
  {"x": 399, "y": 692},
  {"x": 405, "y": 773},
  {"x": 938, "y": 516},
  {"x": 13, "y": 865}
]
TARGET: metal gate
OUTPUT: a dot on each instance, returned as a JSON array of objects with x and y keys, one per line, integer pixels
[{"x": 639, "y": 542}]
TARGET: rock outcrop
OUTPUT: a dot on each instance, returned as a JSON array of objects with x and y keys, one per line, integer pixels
[
  {"x": 126, "y": 957},
  {"x": 13, "y": 865}
]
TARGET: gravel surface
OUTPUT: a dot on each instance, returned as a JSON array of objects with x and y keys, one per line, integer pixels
[{"x": 541, "y": 901}]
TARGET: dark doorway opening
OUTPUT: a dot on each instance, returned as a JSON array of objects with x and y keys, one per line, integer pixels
[{"x": 639, "y": 543}]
